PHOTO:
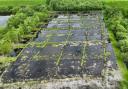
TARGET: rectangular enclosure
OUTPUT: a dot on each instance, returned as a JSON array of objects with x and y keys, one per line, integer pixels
[{"x": 71, "y": 45}]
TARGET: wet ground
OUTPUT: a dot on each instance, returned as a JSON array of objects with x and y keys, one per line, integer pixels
[{"x": 72, "y": 45}]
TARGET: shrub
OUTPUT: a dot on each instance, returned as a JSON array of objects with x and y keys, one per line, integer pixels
[
  {"x": 120, "y": 28},
  {"x": 26, "y": 20},
  {"x": 2, "y": 32},
  {"x": 48, "y": 2},
  {"x": 125, "y": 56},
  {"x": 13, "y": 35},
  {"x": 73, "y": 5},
  {"x": 121, "y": 35},
  {"x": 5, "y": 46},
  {"x": 42, "y": 15},
  {"x": 39, "y": 8},
  {"x": 16, "y": 20},
  {"x": 15, "y": 9},
  {"x": 125, "y": 12},
  {"x": 26, "y": 10},
  {"x": 30, "y": 23},
  {"x": 5, "y": 10},
  {"x": 123, "y": 44}
]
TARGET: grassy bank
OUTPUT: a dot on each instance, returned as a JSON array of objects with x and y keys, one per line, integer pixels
[
  {"x": 121, "y": 5},
  {"x": 121, "y": 64}
]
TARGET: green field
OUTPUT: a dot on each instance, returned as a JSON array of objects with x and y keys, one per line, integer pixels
[
  {"x": 118, "y": 4},
  {"x": 20, "y": 2},
  {"x": 115, "y": 3}
]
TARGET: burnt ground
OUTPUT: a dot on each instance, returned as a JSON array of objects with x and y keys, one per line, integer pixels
[{"x": 66, "y": 42}]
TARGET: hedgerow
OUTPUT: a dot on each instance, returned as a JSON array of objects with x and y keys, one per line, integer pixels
[{"x": 75, "y": 5}]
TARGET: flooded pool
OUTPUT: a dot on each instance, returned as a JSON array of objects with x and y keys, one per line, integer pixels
[{"x": 3, "y": 20}]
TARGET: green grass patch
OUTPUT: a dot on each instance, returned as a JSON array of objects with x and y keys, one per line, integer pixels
[
  {"x": 20, "y": 2},
  {"x": 113, "y": 0},
  {"x": 118, "y": 4}
]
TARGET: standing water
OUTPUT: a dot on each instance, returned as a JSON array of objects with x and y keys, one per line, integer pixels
[{"x": 3, "y": 20}]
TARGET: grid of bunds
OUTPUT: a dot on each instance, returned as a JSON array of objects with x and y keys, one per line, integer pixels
[{"x": 72, "y": 45}]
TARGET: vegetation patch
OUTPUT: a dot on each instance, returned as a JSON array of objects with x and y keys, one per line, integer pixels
[
  {"x": 74, "y": 5},
  {"x": 20, "y": 26},
  {"x": 116, "y": 22}
]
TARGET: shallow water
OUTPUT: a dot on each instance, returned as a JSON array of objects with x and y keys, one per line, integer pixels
[{"x": 3, "y": 20}]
